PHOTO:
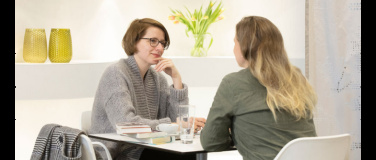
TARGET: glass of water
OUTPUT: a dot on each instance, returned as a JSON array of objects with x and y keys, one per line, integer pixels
[{"x": 186, "y": 120}]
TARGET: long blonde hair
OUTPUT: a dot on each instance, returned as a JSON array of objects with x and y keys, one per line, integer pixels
[{"x": 262, "y": 45}]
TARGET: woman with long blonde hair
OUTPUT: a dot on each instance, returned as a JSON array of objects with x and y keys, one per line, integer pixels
[{"x": 264, "y": 106}]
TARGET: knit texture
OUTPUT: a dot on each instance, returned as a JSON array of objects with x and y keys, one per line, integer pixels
[
  {"x": 56, "y": 142},
  {"x": 123, "y": 96}
]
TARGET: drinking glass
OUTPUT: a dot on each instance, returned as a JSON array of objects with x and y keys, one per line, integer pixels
[
  {"x": 60, "y": 45},
  {"x": 35, "y": 45},
  {"x": 186, "y": 120}
]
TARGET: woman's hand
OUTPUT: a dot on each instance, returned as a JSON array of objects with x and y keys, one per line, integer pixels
[
  {"x": 199, "y": 123},
  {"x": 169, "y": 68}
]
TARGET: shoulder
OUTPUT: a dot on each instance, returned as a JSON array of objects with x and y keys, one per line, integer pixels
[
  {"x": 116, "y": 67},
  {"x": 121, "y": 64},
  {"x": 242, "y": 81},
  {"x": 116, "y": 74},
  {"x": 243, "y": 76},
  {"x": 230, "y": 83}
]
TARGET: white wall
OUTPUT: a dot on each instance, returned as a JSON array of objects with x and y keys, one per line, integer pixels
[{"x": 98, "y": 26}]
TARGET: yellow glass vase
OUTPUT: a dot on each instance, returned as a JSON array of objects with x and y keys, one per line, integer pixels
[
  {"x": 35, "y": 45},
  {"x": 60, "y": 46}
]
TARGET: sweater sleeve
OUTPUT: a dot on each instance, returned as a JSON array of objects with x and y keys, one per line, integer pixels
[
  {"x": 215, "y": 135},
  {"x": 177, "y": 97},
  {"x": 170, "y": 100}
]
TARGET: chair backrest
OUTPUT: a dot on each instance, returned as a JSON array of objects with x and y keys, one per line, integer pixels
[
  {"x": 85, "y": 120},
  {"x": 335, "y": 147},
  {"x": 87, "y": 149}
]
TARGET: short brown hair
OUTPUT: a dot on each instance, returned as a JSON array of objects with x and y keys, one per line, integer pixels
[{"x": 136, "y": 30}]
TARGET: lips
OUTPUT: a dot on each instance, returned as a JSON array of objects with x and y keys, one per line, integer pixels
[{"x": 156, "y": 55}]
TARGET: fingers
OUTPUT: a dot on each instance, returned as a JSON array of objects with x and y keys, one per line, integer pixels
[
  {"x": 163, "y": 64},
  {"x": 199, "y": 123},
  {"x": 197, "y": 129},
  {"x": 161, "y": 67},
  {"x": 198, "y": 119},
  {"x": 160, "y": 62}
]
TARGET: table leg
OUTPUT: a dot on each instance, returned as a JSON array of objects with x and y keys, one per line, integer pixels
[{"x": 201, "y": 156}]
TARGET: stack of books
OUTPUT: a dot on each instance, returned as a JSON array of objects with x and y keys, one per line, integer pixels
[
  {"x": 143, "y": 133},
  {"x": 152, "y": 134},
  {"x": 132, "y": 127},
  {"x": 151, "y": 138}
]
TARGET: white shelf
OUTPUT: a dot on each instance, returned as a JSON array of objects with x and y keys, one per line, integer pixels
[{"x": 79, "y": 79}]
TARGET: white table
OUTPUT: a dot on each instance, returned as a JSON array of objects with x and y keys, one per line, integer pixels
[{"x": 174, "y": 147}]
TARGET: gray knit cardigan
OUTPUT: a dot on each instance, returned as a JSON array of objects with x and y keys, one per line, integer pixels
[
  {"x": 56, "y": 142},
  {"x": 123, "y": 96}
]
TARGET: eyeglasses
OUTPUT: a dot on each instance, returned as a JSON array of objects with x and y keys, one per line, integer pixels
[{"x": 154, "y": 42}]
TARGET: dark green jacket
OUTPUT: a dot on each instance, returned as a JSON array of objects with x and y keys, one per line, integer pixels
[{"x": 240, "y": 104}]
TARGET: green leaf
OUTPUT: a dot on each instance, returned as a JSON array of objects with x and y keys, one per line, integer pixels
[
  {"x": 190, "y": 14},
  {"x": 200, "y": 25},
  {"x": 211, "y": 41},
  {"x": 186, "y": 32}
]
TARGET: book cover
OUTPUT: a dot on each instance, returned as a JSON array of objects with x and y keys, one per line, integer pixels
[
  {"x": 147, "y": 135},
  {"x": 156, "y": 140},
  {"x": 132, "y": 127},
  {"x": 123, "y": 125},
  {"x": 133, "y": 130}
]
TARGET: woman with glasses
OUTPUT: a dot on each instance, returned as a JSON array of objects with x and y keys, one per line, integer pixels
[{"x": 130, "y": 90}]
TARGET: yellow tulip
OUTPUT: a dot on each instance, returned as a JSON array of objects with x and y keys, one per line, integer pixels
[
  {"x": 205, "y": 17},
  {"x": 222, "y": 10},
  {"x": 193, "y": 19},
  {"x": 220, "y": 18},
  {"x": 171, "y": 17},
  {"x": 176, "y": 22}
]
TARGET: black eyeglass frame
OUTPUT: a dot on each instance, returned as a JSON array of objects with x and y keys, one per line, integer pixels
[{"x": 163, "y": 44}]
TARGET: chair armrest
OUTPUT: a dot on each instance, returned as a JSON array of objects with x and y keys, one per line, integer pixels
[{"x": 105, "y": 148}]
